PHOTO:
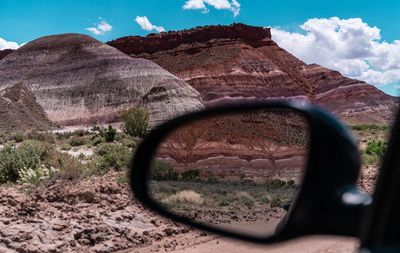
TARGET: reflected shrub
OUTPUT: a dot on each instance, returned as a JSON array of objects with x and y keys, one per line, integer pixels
[
  {"x": 190, "y": 175},
  {"x": 163, "y": 171}
]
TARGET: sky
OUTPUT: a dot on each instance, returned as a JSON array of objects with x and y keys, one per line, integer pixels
[{"x": 359, "y": 38}]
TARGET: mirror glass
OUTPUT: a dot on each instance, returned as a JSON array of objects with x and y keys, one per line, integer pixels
[{"x": 236, "y": 171}]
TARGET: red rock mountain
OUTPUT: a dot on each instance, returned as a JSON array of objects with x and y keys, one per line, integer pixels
[{"x": 225, "y": 63}]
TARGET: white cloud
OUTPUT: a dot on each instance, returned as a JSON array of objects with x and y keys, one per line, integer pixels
[
  {"x": 232, "y": 5},
  {"x": 4, "y": 44},
  {"x": 100, "y": 28},
  {"x": 145, "y": 24},
  {"x": 350, "y": 46}
]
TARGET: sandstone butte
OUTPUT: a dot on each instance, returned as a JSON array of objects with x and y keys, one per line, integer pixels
[
  {"x": 73, "y": 79},
  {"x": 226, "y": 63}
]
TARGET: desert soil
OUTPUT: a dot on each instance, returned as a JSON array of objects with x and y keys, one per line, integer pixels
[{"x": 100, "y": 215}]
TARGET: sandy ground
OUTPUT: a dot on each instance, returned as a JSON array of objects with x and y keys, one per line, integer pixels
[
  {"x": 100, "y": 215},
  {"x": 304, "y": 245}
]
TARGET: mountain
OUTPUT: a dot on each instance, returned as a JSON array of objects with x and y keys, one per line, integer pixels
[
  {"x": 19, "y": 110},
  {"x": 76, "y": 80},
  {"x": 225, "y": 63}
]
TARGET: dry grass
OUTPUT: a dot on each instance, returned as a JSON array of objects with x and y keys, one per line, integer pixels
[{"x": 184, "y": 197}]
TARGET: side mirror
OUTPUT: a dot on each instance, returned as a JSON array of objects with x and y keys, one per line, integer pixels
[{"x": 262, "y": 172}]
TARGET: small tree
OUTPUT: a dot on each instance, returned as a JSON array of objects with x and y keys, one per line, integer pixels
[
  {"x": 135, "y": 122},
  {"x": 110, "y": 133}
]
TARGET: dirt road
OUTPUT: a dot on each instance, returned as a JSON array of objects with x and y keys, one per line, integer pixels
[{"x": 305, "y": 245}]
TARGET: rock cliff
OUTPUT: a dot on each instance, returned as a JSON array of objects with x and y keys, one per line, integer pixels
[
  {"x": 225, "y": 63},
  {"x": 78, "y": 80}
]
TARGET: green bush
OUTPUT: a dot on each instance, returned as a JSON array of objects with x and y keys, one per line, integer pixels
[
  {"x": 97, "y": 140},
  {"x": 34, "y": 161},
  {"x": 128, "y": 143},
  {"x": 109, "y": 134},
  {"x": 19, "y": 137},
  {"x": 376, "y": 147},
  {"x": 364, "y": 127},
  {"x": 76, "y": 141},
  {"x": 273, "y": 184},
  {"x": 30, "y": 155},
  {"x": 41, "y": 136},
  {"x": 135, "y": 122},
  {"x": 111, "y": 156},
  {"x": 67, "y": 166},
  {"x": 190, "y": 175},
  {"x": 65, "y": 147},
  {"x": 80, "y": 132},
  {"x": 277, "y": 202},
  {"x": 163, "y": 171}
]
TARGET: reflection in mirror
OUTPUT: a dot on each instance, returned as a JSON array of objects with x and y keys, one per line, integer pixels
[{"x": 236, "y": 171}]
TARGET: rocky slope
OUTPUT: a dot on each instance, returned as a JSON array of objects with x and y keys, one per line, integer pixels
[
  {"x": 240, "y": 61},
  {"x": 78, "y": 80},
  {"x": 19, "y": 110}
]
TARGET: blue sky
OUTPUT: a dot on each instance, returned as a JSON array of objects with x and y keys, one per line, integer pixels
[{"x": 24, "y": 20}]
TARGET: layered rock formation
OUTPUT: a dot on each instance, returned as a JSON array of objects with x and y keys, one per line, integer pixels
[
  {"x": 19, "y": 110},
  {"x": 234, "y": 62},
  {"x": 255, "y": 145},
  {"x": 78, "y": 80}
]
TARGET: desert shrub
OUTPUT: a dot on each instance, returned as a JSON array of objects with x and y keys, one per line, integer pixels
[
  {"x": 67, "y": 166},
  {"x": 30, "y": 155},
  {"x": 190, "y": 175},
  {"x": 184, "y": 197},
  {"x": 65, "y": 146},
  {"x": 128, "y": 143},
  {"x": 35, "y": 176},
  {"x": 245, "y": 198},
  {"x": 80, "y": 132},
  {"x": 97, "y": 140},
  {"x": 212, "y": 179},
  {"x": 96, "y": 128},
  {"x": 122, "y": 178},
  {"x": 369, "y": 159},
  {"x": 277, "y": 202},
  {"x": 135, "y": 122},
  {"x": 273, "y": 184},
  {"x": 376, "y": 147},
  {"x": 3, "y": 137},
  {"x": 111, "y": 156},
  {"x": 109, "y": 134},
  {"x": 81, "y": 156},
  {"x": 41, "y": 136},
  {"x": 10, "y": 164},
  {"x": 162, "y": 171},
  {"x": 76, "y": 141},
  {"x": 19, "y": 137},
  {"x": 373, "y": 152},
  {"x": 34, "y": 161},
  {"x": 364, "y": 127}
]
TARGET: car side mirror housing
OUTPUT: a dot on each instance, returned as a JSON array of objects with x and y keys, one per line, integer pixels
[{"x": 262, "y": 172}]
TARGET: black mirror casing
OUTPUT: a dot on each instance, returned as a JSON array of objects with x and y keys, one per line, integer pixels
[{"x": 328, "y": 201}]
